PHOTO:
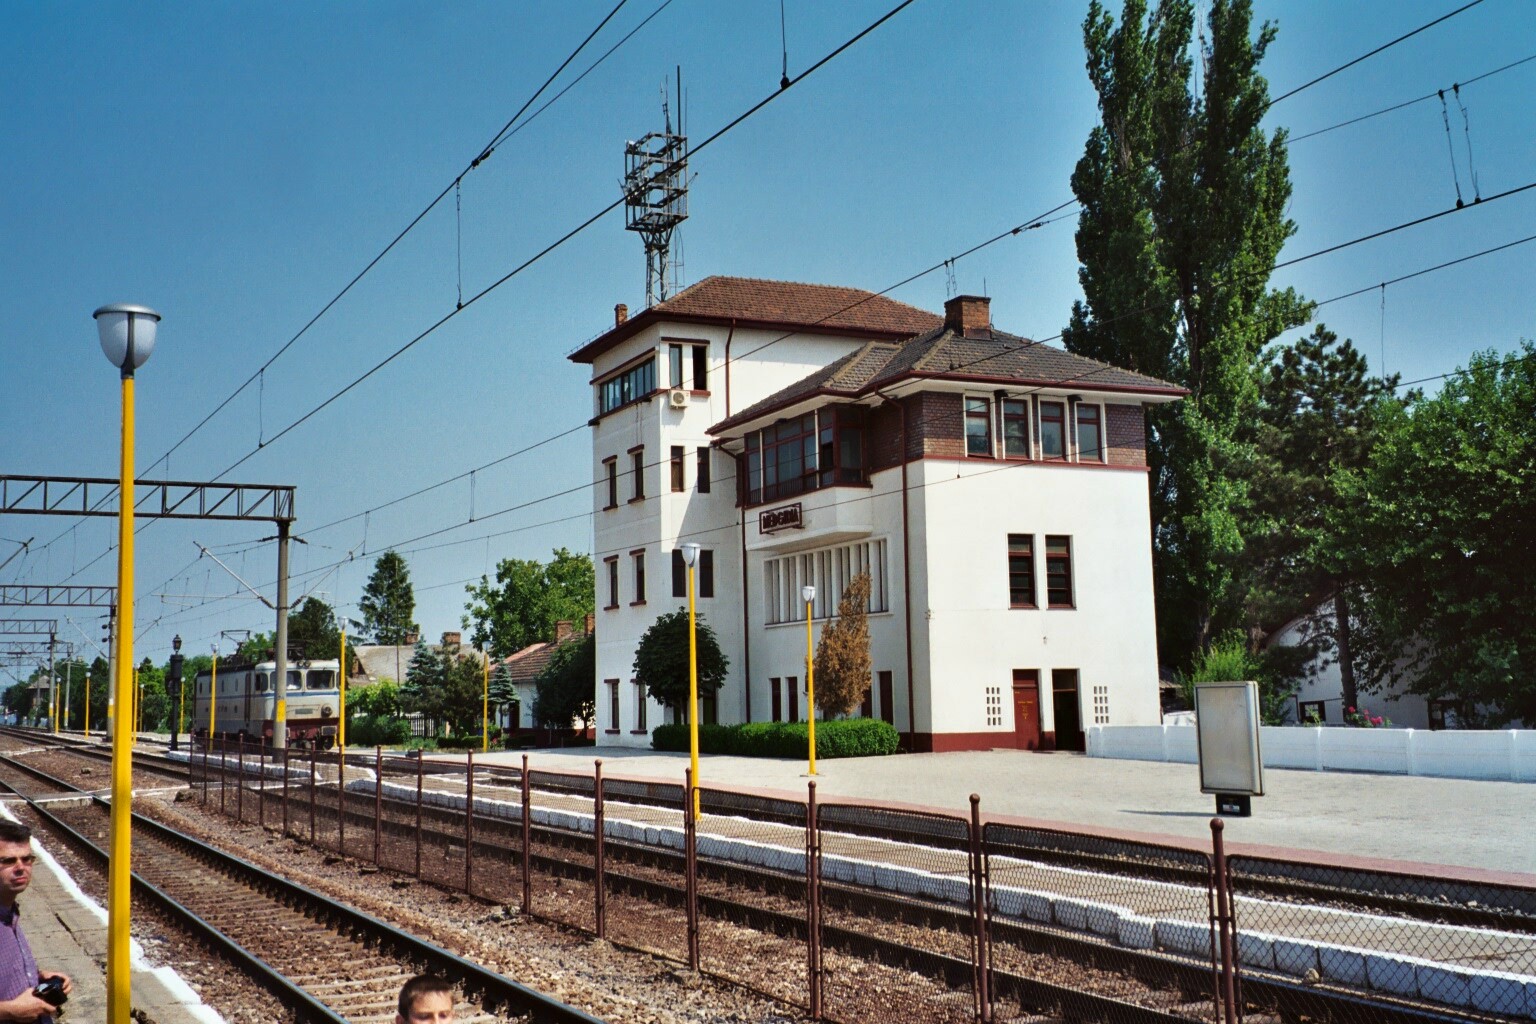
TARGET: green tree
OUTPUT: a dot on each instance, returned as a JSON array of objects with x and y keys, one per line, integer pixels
[
  {"x": 18, "y": 699},
  {"x": 388, "y": 602},
  {"x": 256, "y": 647},
  {"x": 567, "y": 688},
  {"x": 661, "y": 660},
  {"x": 1316, "y": 424},
  {"x": 313, "y": 630},
  {"x": 1448, "y": 525},
  {"x": 154, "y": 709},
  {"x": 1183, "y": 198},
  {"x": 843, "y": 663},
  {"x": 526, "y": 601},
  {"x": 444, "y": 686},
  {"x": 379, "y": 700},
  {"x": 422, "y": 691}
]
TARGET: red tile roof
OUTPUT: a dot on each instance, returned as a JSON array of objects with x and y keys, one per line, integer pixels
[{"x": 753, "y": 302}]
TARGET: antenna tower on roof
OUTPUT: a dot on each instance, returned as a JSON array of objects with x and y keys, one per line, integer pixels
[{"x": 656, "y": 194}]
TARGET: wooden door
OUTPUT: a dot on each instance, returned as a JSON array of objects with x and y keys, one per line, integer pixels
[
  {"x": 1026, "y": 709},
  {"x": 887, "y": 699},
  {"x": 793, "y": 685},
  {"x": 778, "y": 699}
]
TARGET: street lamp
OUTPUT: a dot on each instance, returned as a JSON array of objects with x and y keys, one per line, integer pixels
[
  {"x": 173, "y": 688},
  {"x": 808, "y": 593},
  {"x": 127, "y": 335},
  {"x": 691, "y": 559}
]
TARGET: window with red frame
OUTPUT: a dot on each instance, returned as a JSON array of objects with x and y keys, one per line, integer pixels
[{"x": 1053, "y": 430}]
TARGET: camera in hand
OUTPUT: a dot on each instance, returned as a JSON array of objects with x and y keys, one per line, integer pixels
[{"x": 51, "y": 991}]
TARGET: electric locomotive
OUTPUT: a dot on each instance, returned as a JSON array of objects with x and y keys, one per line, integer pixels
[{"x": 245, "y": 706}]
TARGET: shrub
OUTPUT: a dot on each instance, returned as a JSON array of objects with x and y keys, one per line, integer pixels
[
  {"x": 469, "y": 741},
  {"x": 377, "y": 731},
  {"x": 853, "y": 737}
]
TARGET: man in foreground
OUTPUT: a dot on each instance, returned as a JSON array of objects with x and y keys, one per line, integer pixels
[
  {"x": 425, "y": 999},
  {"x": 18, "y": 970}
]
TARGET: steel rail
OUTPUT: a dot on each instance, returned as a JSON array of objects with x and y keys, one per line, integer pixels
[{"x": 305, "y": 1007}]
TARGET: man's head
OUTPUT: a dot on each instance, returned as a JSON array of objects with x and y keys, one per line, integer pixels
[
  {"x": 16, "y": 859},
  {"x": 425, "y": 999}
]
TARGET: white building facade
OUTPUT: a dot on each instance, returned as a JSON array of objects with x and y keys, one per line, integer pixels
[{"x": 995, "y": 489}]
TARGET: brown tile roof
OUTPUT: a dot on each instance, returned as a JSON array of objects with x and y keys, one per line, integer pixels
[
  {"x": 942, "y": 354},
  {"x": 818, "y": 308}
]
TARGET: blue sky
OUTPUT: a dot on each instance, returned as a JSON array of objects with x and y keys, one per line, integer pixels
[{"x": 234, "y": 165}]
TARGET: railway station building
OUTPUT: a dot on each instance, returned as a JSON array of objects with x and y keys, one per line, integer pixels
[{"x": 995, "y": 489}]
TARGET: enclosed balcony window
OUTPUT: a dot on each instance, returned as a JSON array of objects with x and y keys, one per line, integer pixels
[{"x": 806, "y": 453}]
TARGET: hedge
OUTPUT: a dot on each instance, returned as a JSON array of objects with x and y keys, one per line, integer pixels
[
  {"x": 377, "y": 731},
  {"x": 843, "y": 737}
]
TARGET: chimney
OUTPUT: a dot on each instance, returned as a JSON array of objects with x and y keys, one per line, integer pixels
[
  {"x": 969, "y": 316},
  {"x": 620, "y": 314},
  {"x": 591, "y": 622},
  {"x": 411, "y": 639},
  {"x": 562, "y": 629},
  {"x": 452, "y": 639}
]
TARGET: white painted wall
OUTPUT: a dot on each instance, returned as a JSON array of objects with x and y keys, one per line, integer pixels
[
  {"x": 1405, "y": 710},
  {"x": 1504, "y": 754},
  {"x": 963, "y": 512}
]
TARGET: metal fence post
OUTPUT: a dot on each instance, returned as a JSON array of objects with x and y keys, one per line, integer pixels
[
  {"x": 469, "y": 821},
  {"x": 240, "y": 783},
  {"x": 206, "y": 745},
  {"x": 1223, "y": 920},
  {"x": 982, "y": 941},
  {"x": 261, "y": 784},
  {"x": 378, "y": 802},
  {"x": 527, "y": 841},
  {"x": 341, "y": 801},
  {"x": 420, "y": 771},
  {"x": 284, "y": 790},
  {"x": 812, "y": 901},
  {"x": 691, "y": 877},
  {"x": 312, "y": 787},
  {"x": 223, "y": 775},
  {"x": 599, "y": 894}
]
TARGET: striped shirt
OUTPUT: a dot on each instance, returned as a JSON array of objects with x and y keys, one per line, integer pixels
[{"x": 18, "y": 969}]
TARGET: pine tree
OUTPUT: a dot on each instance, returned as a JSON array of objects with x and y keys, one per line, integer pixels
[
  {"x": 388, "y": 601},
  {"x": 1184, "y": 197},
  {"x": 1316, "y": 425},
  {"x": 843, "y": 664}
]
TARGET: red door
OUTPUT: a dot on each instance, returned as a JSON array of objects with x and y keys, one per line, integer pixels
[{"x": 1026, "y": 709}]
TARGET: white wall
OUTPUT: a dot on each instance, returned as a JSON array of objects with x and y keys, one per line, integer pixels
[
  {"x": 963, "y": 512},
  {"x": 1506, "y": 754}
]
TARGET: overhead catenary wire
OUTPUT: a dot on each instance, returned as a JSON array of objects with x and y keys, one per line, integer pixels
[
  {"x": 1366, "y": 56},
  {"x": 412, "y": 545},
  {"x": 505, "y": 132}
]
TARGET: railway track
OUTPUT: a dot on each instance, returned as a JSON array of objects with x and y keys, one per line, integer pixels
[
  {"x": 327, "y": 962},
  {"x": 864, "y": 921}
]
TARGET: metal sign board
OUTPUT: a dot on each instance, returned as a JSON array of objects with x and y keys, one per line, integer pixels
[
  {"x": 1227, "y": 727},
  {"x": 785, "y": 517}
]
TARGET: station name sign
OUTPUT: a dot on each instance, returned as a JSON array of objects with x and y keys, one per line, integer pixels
[{"x": 785, "y": 517}]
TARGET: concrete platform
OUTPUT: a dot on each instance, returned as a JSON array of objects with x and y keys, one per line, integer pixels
[
  {"x": 1438, "y": 822},
  {"x": 68, "y": 932}
]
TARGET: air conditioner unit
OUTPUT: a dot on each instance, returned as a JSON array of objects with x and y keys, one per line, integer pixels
[{"x": 677, "y": 398}]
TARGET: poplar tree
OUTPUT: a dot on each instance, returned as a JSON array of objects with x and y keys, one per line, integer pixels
[
  {"x": 388, "y": 602},
  {"x": 1183, "y": 198}
]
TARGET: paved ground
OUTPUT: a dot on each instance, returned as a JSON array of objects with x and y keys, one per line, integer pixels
[{"x": 1456, "y": 822}]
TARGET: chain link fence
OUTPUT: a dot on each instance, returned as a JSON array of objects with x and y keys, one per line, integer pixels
[
  {"x": 1396, "y": 940},
  {"x": 858, "y": 912}
]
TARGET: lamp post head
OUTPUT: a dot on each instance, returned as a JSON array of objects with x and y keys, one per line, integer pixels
[
  {"x": 808, "y": 593},
  {"x": 127, "y": 334},
  {"x": 176, "y": 643},
  {"x": 691, "y": 554}
]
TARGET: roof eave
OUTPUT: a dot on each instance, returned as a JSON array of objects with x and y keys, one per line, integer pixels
[{"x": 639, "y": 322}]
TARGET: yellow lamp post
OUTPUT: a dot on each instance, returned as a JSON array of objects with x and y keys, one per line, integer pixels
[
  {"x": 127, "y": 335},
  {"x": 485, "y": 705},
  {"x": 213, "y": 696},
  {"x": 87, "y": 705},
  {"x": 808, "y": 593},
  {"x": 341, "y": 724},
  {"x": 691, "y": 558}
]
